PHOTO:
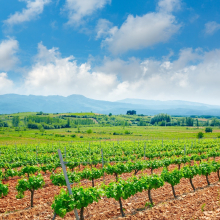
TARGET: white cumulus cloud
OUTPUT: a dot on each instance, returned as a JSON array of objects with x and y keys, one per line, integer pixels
[
  {"x": 53, "y": 75},
  {"x": 211, "y": 27},
  {"x": 6, "y": 85},
  {"x": 8, "y": 58},
  {"x": 79, "y": 9},
  {"x": 33, "y": 9},
  {"x": 193, "y": 76},
  {"x": 139, "y": 32}
]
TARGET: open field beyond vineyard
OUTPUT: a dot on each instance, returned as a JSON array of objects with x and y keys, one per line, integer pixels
[
  {"x": 10, "y": 136},
  {"x": 35, "y": 128}
]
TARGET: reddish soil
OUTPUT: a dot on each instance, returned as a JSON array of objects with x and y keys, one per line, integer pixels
[{"x": 202, "y": 204}]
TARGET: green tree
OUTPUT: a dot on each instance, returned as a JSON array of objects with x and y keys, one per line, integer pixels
[
  {"x": 183, "y": 121},
  {"x": 189, "y": 121},
  {"x": 142, "y": 123},
  {"x": 207, "y": 130},
  {"x": 197, "y": 122},
  {"x": 214, "y": 122},
  {"x": 68, "y": 123},
  {"x": 3, "y": 123},
  {"x": 16, "y": 121},
  {"x": 160, "y": 118},
  {"x": 200, "y": 135}
]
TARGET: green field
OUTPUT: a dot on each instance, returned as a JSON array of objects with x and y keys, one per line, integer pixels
[{"x": 104, "y": 128}]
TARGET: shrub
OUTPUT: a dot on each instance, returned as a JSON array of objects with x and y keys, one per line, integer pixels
[
  {"x": 81, "y": 136},
  {"x": 73, "y": 135},
  {"x": 59, "y": 135},
  {"x": 208, "y": 129},
  {"x": 115, "y": 133},
  {"x": 89, "y": 131},
  {"x": 200, "y": 135},
  {"x": 41, "y": 128},
  {"x": 3, "y": 189},
  {"x": 127, "y": 132},
  {"x": 31, "y": 184}
]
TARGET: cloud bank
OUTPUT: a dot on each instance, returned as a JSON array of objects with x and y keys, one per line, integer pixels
[{"x": 193, "y": 76}]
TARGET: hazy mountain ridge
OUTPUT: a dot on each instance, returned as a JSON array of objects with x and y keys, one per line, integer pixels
[
  {"x": 13, "y": 103},
  {"x": 167, "y": 103}
]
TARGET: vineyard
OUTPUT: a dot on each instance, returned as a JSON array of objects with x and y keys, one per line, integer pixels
[{"x": 108, "y": 179}]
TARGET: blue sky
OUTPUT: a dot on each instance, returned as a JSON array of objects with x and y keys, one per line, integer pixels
[{"x": 111, "y": 50}]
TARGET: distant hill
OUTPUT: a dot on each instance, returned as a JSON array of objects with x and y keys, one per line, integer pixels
[
  {"x": 168, "y": 104},
  {"x": 13, "y": 103}
]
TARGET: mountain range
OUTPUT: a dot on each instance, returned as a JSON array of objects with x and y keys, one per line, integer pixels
[{"x": 13, "y": 103}]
